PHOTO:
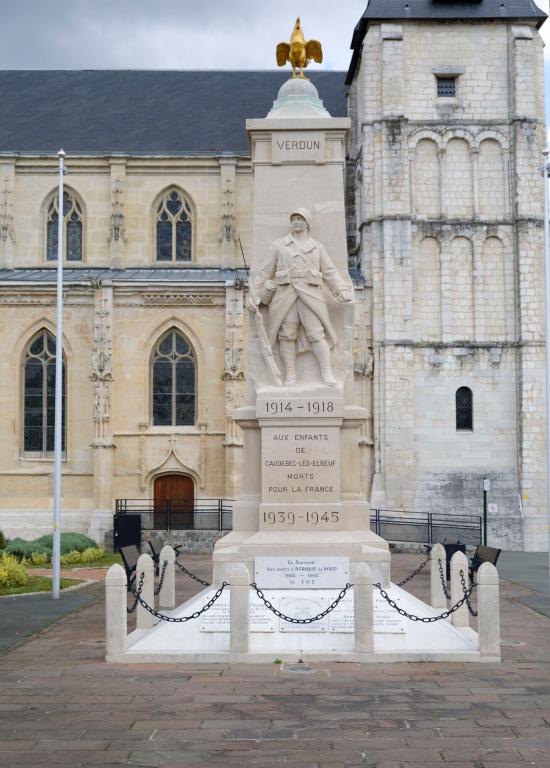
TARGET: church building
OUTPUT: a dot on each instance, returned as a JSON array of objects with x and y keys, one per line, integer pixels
[{"x": 445, "y": 245}]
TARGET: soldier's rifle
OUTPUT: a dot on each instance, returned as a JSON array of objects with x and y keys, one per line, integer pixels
[{"x": 265, "y": 346}]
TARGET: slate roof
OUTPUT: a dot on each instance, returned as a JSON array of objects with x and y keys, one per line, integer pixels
[
  {"x": 207, "y": 275},
  {"x": 142, "y": 111},
  {"x": 439, "y": 10}
]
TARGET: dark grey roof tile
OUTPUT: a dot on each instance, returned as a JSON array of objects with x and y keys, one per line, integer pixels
[{"x": 142, "y": 112}]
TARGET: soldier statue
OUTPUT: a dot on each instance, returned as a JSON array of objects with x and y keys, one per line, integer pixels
[{"x": 294, "y": 284}]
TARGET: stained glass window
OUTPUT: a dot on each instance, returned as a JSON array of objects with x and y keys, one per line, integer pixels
[
  {"x": 73, "y": 218},
  {"x": 173, "y": 381},
  {"x": 174, "y": 228},
  {"x": 464, "y": 409},
  {"x": 39, "y": 396}
]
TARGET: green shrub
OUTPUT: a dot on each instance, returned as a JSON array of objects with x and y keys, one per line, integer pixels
[
  {"x": 2, "y": 540},
  {"x": 21, "y": 548},
  {"x": 40, "y": 558},
  {"x": 91, "y": 554},
  {"x": 12, "y": 572},
  {"x": 70, "y": 542},
  {"x": 71, "y": 558}
]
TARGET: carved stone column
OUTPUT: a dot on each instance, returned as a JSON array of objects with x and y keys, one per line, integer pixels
[
  {"x": 363, "y": 366},
  {"x": 102, "y": 378},
  {"x": 7, "y": 228},
  {"x": 228, "y": 231},
  {"x": 116, "y": 236},
  {"x": 233, "y": 375}
]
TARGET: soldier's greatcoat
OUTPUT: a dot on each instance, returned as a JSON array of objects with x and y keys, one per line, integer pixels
[{"x": 298, "y": 271}]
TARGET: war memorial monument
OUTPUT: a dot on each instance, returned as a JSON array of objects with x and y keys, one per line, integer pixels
[{"x": 301, "y": 575}]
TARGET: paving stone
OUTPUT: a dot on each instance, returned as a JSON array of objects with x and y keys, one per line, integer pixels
[{"x": 61, "y": 704}]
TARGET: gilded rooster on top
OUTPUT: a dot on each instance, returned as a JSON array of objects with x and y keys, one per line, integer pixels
[{"x": 299, "y": 53}]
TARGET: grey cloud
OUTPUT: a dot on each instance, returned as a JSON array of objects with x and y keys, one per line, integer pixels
[{"x": 183, "y": 34}]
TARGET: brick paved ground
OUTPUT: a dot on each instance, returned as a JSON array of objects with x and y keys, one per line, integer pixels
[{"x": 61, "y": 704}]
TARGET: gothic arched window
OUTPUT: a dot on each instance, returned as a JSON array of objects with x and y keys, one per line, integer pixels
[
  {"x": 39, "y": 396},
  {"x": 174, "y": 228},
  {"x": 464, "y": 409},
  {"x": 73, "y": 227},
  {"x": 173, "y": 381}
]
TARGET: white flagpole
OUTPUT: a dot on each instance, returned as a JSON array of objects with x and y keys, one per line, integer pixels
[
  {"x": 56, "y": 557},
  {"x": 547, "y": 333}
]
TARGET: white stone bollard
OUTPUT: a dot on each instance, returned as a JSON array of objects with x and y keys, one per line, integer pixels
[
  {"x": 145, "y": 565},
  {"x": 116, "y": 618},
  {"x": 459, "y": 562},
  {"x": 437, "y": 595},
  {"x": 363, "y": 609},
  {"x": 488, "y": 610},
  {"x": 167, "y": 594},
  {"x": 239, "y": 611}
]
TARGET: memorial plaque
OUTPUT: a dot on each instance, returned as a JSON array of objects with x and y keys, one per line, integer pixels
[
  {"x": 301, "y": 572},
  {"x": 386, "y": 619},
  {"x": 216, "y": 619},
  {"x": 300, "y": 464},
  {"x": 303, "y": 607}
]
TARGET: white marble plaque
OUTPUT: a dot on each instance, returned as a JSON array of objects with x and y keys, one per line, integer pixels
[
  {"x": 303, "y": 607},
  {"x": 301, "y": 572},
  {"x": 300, "y": 464},
  {"x": 386, "y": 619},
  {"x": 216, "y": 619},
  {"x": 342, "y": 618}
]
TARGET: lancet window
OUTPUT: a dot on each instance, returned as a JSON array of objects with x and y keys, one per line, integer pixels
[
  {"x": 464, "y": 409},
  {"x": 73, "y": 221},
  {"x": 173, "y": 381},
  {"x": 39, "y": 396},
  {"x": 174, "y": 228}
]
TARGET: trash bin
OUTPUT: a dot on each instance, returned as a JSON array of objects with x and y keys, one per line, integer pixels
[
  {"x": 450, "y": 549},
  {"x": 127, "y": 531}
]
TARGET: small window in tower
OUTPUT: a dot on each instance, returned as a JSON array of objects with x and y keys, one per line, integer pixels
[
  {"x": 446, "y": 86},
  {"x": 464, "y": 409}
]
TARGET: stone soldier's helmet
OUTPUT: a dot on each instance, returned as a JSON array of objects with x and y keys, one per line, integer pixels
[{"x": 304, "y": 213}]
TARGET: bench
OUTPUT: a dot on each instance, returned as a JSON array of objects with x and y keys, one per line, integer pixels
[
  {"x": 483, "y": 555},
  {"x": 130, "y": 556},
  {"x": 155, "y": 545}
]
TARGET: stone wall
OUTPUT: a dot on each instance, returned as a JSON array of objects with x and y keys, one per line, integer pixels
[{"x": 450, "y": 219}]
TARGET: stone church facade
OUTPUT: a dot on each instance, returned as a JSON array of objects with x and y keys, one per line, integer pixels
[{"x": 445, "y": 241}]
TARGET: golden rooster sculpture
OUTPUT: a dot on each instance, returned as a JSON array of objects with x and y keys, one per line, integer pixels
[{"x": 299, "y": 53}]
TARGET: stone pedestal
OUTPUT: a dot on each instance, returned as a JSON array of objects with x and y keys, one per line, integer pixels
[{"x": 301, "y": 492}]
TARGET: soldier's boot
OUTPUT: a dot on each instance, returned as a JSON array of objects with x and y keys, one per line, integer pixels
[
  {"x": 287, "y": 350},
  {"x": 321, "y": 350}
]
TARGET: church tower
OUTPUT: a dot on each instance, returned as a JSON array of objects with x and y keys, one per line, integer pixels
[{"x": 446, "y": 101}]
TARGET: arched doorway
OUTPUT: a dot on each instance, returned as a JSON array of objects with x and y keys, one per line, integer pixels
[{"x": 174, "y": 502}]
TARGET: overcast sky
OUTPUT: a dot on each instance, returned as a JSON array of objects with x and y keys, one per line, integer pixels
[{"x": 175, "y": 34}]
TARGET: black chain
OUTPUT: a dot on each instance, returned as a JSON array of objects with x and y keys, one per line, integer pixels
[
  {"x": 415, "y": 573},
  {"x": 425, "y": 619},
  {"x": 180, "y": 619},
  {"x": 161, "y": 580},
  {"x": 443, "y": 580},
  {"x": 140, "y": 587},
  {"x": 291, "y": 620},
  {"x": 192, "y": 575},
  {"x": 465, "y": 590}
]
